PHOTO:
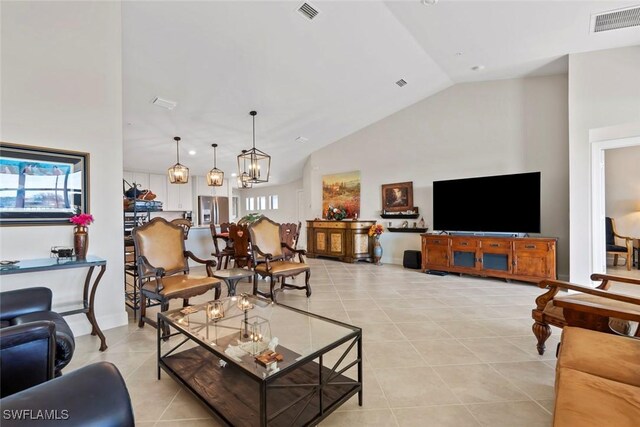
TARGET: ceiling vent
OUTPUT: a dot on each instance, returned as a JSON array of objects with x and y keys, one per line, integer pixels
[
  {"x": 164, "y": 103},
  {"x": 302, "y": 139},
  {"x": 401, "y": 82},
  {"x": 616, "y": 19},
  {"x": 308, "y": 11}
]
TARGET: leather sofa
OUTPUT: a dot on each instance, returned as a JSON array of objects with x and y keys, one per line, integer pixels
[
  {"x": 597, "y": 380},
  {"x": 95, "y": 395},
  {"x": 24, "y": 306}
]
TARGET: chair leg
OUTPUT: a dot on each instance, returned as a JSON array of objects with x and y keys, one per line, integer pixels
[
  {"x": 615, "y": 260},
  {"x": 542, "y": 331},
  {"x": 185, "y": 302},
  {"x": 255, "y": 284},
  {"x": 143, "y": 310},
  {"x": 307, "y": 275},
  {"x": 272, "y": 284},
  {"x": 226, "y": 262},
  {"x": 165, "y": 327},
  {"x": 217, "y": 292},
  {"x": 629, "y": 261},
  {"x": 219, "y": 263}
]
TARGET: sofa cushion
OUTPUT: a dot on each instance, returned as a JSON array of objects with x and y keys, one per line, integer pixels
[
  {"x": 609, "y": 356},
  {"x": 586, "y": 400}
]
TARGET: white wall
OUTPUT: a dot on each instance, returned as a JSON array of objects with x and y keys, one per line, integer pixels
[
  {"x": 62, "y": 88},
  {"x": 604, "y": 91},
  {"x": 467, "y": 130},
  {"x": 622, "y": 189},
  {"x": 287, "y": 201}
]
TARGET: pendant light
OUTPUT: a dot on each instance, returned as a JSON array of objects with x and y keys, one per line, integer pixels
[
  {"x": 243, "y": 178},
  {"x": 215, "y": 177},
  {"x": 259, "y": 162},
  {"x": 178, "y": 174}
]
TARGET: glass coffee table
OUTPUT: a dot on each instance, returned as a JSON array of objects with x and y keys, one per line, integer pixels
[{"x": 254, "y": 362}]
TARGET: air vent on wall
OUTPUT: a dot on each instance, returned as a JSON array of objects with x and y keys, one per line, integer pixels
[
  {"x": 164, "y": 103},
  {"x": 308, "y": 11},
  {"x": 616, "y": 19},
  {"x": 401, "y": 82}
]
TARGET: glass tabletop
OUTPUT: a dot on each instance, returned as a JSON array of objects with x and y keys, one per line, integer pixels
[
  {"x": 45, "y": 264},
  {"x": 258, "y": 335}
]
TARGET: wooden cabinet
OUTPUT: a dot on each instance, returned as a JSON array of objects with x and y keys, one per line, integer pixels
[
  {"x": 528, "y": 259},
  {"x": 345, "y": 240},
  {"x": 158, "y": 184}
]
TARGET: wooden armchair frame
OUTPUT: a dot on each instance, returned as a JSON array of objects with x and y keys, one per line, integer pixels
[
  {"x": 277, "y": 266},
  {"x": 153, "y": 279},
  {"x": 581, "y": 312}
]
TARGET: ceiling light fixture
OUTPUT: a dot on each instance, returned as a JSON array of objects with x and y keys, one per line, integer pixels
[
  {"x": 192, "y": 152},
  {"x": 259, "y": 161},
  {"x": 243, "y": 178},
  {"x": 215, "y": 177},
  {"x": 178, "y": 174}
]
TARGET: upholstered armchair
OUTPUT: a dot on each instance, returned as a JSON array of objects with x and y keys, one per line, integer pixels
[
  {"x": 598, "y": 308},
  {"x": 163, "y": 267},
  {"x": 22, "y": 307},
  {"x": 269, "y": 258},
  {"x": 612, "y": 248},
  {"x": 94, "y": 395}
]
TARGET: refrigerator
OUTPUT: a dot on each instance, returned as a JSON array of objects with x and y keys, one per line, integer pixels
[{"x": 213, "y": 210}]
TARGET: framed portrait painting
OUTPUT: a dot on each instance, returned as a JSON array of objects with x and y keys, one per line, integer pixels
[
  {"x": 397, "y": 197},
  {"x": 42, "y": 186}
]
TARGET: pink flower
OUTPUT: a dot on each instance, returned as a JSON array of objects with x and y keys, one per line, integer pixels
[{"x": 82, "y": 219}]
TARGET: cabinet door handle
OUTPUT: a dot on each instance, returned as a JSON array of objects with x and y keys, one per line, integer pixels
[
  {"x": 530, "y": 246},
  {"x": 464, "y": 244},
  {"x": 494, "y": 245}
]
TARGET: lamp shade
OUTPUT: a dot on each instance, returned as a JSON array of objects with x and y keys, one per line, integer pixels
[{"x": 178, "y": 173}]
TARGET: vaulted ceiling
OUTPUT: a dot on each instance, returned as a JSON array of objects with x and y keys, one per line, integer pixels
[{"x": 325, "y": 78}]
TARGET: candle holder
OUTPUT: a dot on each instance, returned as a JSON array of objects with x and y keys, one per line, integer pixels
[
  {"x": 244, "y": 303},
  {"x": 215, "y": 310},
  {"x": 255, "y": 334}
]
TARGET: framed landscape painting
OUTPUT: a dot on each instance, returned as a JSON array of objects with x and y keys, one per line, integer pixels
[
  {"x": 341, "y": 190},
  {"x": 42, "y": 186},
  {"x": 397, "y": 197}
]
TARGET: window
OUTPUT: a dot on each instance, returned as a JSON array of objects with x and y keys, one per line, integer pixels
[
  {"x": 249, "y": 203},
  {"x": 273, "y": 202},
  {"x": 261, "y": 203}
]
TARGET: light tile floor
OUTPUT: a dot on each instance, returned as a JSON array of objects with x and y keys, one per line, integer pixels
[{"x": 439, "y": 351}]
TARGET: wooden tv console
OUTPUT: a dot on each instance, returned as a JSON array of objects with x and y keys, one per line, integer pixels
[{"x": 530, "y": 259}]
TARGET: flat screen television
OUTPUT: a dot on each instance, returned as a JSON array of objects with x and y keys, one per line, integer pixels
[{"x": 500, "y": 204}]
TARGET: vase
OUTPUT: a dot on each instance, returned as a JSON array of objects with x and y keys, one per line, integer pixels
[
  {"x": 377, "y": 251},
  {"x": 80, "y": 241}
]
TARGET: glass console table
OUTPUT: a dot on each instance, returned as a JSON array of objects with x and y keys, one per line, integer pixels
[{"x": 89, "y": 291}]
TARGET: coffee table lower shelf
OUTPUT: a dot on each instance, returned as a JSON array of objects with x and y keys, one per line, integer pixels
[{"x": 235, "y": 397}]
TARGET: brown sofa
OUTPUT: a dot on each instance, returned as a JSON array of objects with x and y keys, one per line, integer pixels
[{"x": 597, "y": 380}]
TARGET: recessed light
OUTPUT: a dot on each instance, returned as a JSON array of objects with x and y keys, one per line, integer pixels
[
  {"x": 192, "y": 152},
  {"x": 234, "y": 174},
  {"x": 477, "y": 67},
  {"x": 428, "y": 2}
]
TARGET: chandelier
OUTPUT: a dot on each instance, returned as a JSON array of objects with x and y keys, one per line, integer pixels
[
  {"x": 215, "y": 177},
  {"x": 178, "y": 174},
  {"x": 243, "y": 178},
  {"x": 258, "y": 162}
]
